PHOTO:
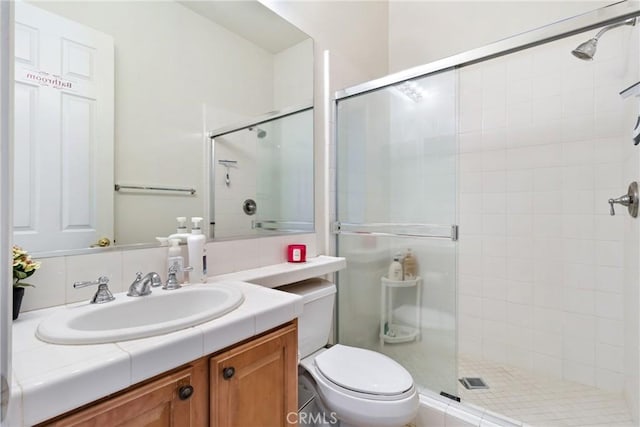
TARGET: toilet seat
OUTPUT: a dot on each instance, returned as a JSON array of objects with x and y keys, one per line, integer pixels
[
  {"x": 357, "y": 408},
  {"x": 367, "y": 373}
]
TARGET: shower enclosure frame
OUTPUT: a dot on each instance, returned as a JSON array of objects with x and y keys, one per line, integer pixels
[{"x": 608, "y": 15}]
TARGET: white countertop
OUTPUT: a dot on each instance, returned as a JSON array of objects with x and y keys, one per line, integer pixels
[
  {"x": 50, "y": 379},
  {"x": 276, "y": 275}
]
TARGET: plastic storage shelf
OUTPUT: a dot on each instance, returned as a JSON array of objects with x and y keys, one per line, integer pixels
[{"x": 390, "y": 331}]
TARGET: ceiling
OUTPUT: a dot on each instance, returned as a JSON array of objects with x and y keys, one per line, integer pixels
[{"x": 252, "y": 21}]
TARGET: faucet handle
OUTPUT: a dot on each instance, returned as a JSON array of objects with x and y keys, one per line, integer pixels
[
  {"x": 172, "y": 280},
  {"x": 103, "y": 294},
  {"x": 630, "y": 200}
]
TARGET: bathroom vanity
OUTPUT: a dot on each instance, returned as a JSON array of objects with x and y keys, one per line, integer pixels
[
  {"x": 249, "y": 384},
  {"x": 179, "y": 374}
]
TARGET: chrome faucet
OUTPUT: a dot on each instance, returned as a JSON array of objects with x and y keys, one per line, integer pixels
[
  {"x": 103, "y": 294},
  {"x": 142, "y": 285},
  {"x": 172, "y": 280}
]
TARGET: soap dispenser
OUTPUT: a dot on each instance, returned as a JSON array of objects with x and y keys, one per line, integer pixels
[
  {"x": 175, "y": 257},
  {"x": 181, "y": 231},
  {"x": 197, "y": 252}
]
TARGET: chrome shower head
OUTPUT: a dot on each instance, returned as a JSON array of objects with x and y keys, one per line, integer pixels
[
  {"x": 587, "y": 50},
  {"x": 261, "y": 132}
]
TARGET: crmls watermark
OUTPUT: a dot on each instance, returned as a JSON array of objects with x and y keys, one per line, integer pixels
[{"x": 318, "y": 418}]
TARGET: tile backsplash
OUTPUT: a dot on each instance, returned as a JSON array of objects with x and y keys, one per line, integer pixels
[{"x": 54, "y": 280}]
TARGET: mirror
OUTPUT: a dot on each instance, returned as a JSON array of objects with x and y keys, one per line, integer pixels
[
  {"x": 262, "y": 176},
  {"x": 139, "y": 86}
]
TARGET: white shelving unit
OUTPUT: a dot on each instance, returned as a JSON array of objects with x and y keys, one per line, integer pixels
[{"x": 392, "y": 332}]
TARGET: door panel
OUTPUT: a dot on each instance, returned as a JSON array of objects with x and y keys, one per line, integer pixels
[
  {"x": 396, "y": 190},
  {"x": 64, "y": 130}
]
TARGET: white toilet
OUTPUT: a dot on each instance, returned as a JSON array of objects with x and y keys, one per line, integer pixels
[{"x": 359, "y": 387}]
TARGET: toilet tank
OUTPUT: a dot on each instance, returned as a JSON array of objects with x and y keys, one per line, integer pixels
[{"x": 314, "y": 324}]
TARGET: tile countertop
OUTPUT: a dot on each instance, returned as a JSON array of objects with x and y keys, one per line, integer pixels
[{"x": 85, "y": 373}]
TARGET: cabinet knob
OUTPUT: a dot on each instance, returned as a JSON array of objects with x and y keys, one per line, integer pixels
[
  {"x": 228, "y": 373},
  {"x": 185, "y": 392}
]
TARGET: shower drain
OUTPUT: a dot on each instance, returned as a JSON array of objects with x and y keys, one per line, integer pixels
[{"x": 473, "y": 383}]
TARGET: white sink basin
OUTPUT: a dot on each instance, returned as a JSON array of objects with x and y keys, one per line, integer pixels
[{"x": 129, "y": 318}]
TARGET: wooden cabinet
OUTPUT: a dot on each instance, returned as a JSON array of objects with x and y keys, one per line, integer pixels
[
  {"x": 177, "y": 399},
  {"x": 252, "y": 384},
  {"x": 256, "y": 383}
]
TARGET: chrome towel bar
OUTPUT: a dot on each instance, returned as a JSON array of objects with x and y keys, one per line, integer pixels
[{"x": 119, "y": 187}]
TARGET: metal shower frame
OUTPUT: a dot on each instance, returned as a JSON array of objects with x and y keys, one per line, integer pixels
[{"x": 607, "y": 15}]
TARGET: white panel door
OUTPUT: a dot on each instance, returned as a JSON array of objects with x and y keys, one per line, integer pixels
[{"x": 64, "y": 131}]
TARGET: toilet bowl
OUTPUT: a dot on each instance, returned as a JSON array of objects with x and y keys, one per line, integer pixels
[{"x": 358, "y": 387}]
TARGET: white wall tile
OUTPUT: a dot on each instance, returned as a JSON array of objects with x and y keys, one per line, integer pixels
[
  {"x": 495, "y": 288},
  {"x": 494, "y": 246},
  {"x": 610, "y": 331},
  {"x": 578, "y": 372},
  {"x": 547, "y": 320},
  {"x": 609, "y": 305},
  {"x": 548, "y": 344},
  {"x": 609, "y": 380},
  {"x": 547, "y": 365},
  {"x": 578, "y": 350},
  {"x": 49, "y": 285},
  {"x": 610, "y": 253},
  {"x": 610, "y": 357}
]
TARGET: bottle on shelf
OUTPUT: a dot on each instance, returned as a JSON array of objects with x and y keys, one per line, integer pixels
[
  {"x": 395, "y": 269},
  {"x": 410, "y": 266}
]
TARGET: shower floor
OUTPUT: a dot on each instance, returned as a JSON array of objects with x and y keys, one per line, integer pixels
[{"x": 541, "y": 401}]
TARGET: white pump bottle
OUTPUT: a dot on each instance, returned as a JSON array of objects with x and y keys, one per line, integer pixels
[{"x": 197, "y": 252}]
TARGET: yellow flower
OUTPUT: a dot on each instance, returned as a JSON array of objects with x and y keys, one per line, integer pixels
[{"x": 23, "y": 266}]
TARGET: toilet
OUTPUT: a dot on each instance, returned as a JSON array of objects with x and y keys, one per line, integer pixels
[{"x": 358, "y": 387}]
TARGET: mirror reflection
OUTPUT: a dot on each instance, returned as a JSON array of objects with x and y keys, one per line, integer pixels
[
  {"x": 125, "y": 93},
  {"x": 263, "y": 177}
]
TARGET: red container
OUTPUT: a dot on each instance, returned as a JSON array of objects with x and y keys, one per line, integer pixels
[{"x": 297, "y": 253}]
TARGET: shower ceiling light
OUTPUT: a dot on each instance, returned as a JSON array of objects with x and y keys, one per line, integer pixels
[{"x": 411, "y": 90}]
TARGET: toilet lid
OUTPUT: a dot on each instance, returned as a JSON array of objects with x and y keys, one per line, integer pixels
[{"x": 364, "y": 371}]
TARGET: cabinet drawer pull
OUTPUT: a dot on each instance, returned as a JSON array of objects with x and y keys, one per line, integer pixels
[
  {"x": 228, "y": 373},
  {"x": 185, "y": 392}
]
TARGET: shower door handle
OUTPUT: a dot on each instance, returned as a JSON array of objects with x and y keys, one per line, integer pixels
[{"x": 630, "y": 200}]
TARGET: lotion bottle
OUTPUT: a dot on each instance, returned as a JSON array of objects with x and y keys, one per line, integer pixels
[
  {"x": 175, "y": 256},
  {"x": 181, "y": 230},
  {"x": 410, "y": 266},
  {"x": 395, "y": 269},
  {"x": 197, "y": 252}
]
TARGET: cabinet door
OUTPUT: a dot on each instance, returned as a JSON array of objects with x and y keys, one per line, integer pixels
[
  {"x": 256, "y": 384},
  {"x": 163, "y": 402}
]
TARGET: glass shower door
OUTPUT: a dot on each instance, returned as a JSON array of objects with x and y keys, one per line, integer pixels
[{"x": 396, "y": 193}]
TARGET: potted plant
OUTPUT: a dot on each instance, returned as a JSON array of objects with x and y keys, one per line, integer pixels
[{"x": 23, "y": 267}]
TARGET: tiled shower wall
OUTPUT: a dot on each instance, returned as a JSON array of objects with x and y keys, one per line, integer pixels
[{"x": 541, "y": 264}]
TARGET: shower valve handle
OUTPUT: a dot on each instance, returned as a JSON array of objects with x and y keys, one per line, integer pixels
[
  {"x": 630, "y": 200},
  {"x": 622, "y": 200}
]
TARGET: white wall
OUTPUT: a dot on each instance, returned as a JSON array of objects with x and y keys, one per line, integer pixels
[
  {"x": 293, "y": 75},
  {"x": 423, "y": 31}
]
